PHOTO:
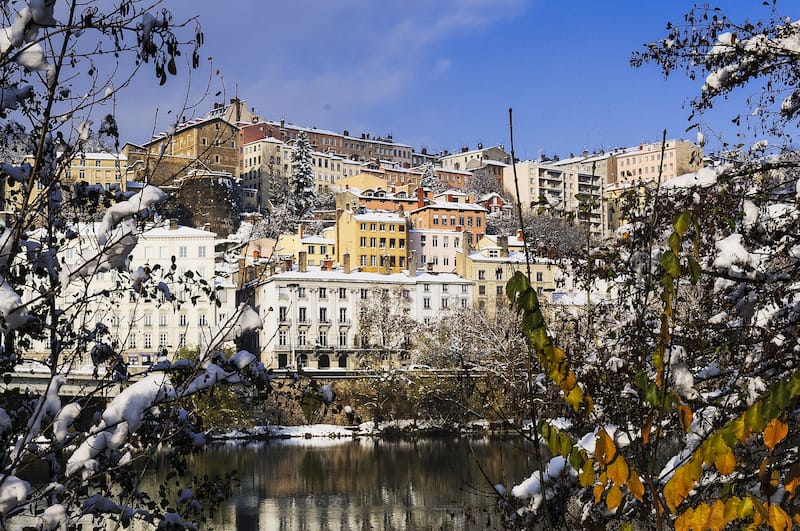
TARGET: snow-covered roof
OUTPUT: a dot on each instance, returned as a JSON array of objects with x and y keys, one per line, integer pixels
[
  {"x": 318, "y": 240},
  {"x": 448, "y": 205},
  {"x": 318, "y": 274},
  {"x": 380, "y": 216},
  {"x": 490, "y": 162},
  {"x": 332, "y": 133},
  {"x": 179, "y": 232}
]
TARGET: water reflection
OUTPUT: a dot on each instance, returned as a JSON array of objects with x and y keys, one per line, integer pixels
[{"x": 365, "y": 483}]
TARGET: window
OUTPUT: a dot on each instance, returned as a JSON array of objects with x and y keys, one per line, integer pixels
[
  {"x": 132, "y": 342},
  {"x": 323, "y": 315},
  {"x": 363, "y": 241},
  {"x": 342, "y": 293},
  {"x": 498, "y": 273},
  {"x": 499, "y": 290},
  {"x": 342, "y": 338},
  {"x": 363, "y": 226},
  {"x": 323, "y": 293},
  {"x": 162, "y": 340},
  {"x": 147, "y": 341},
  {"x": 444, "y": 220},
  {"x": 373, "y": 242},
  {"x": 363, "y": 293},
  {"x": 539, "y": 276},
  {"x": 301, "y": 292},
  {"x": 481, "y": 290},
  {"x": 182, "y": 340},
  {"x": 162, "y": 320},
  {"x": 201, "y": 251},
  {"x": 456, "y": 241},
  {"x": 282, "y": 312},
  {"x": 435, "y": 219},
  {"x": 445, "y": 241},
  {"x": 463, "y": 303},
  {"x": 301, "y": 315},
  {"x": 310, "y": 249},
  {"x": 426, "y": 303},
  {"x": 301, "y": 338},
  {"x": 323, "y": 338},
  {"x": 372, "y": 227},
  {"x": 444, "y": 303},
  {"x": 182, "y": 321},
  {"x": 372, "y": 260},
  {"x": 445, "y": 288},
  {"x": 481, "y": 274},
  {"x": 463, "y": 288},
  {"x": 402, "y": 243},
  {"x": 434, "y": 241},
  {"x": 363, "y": 260},
  {"x": 201, "y": 320},
  {"x": 342, "y": 315},
  {"x": 282, "y": 335},
  {"x": 182, "y": 251},
  {"x": 469, "y": 221},
  {"x": 426, "y": 287},
  {"x": 148, "y": 320}
]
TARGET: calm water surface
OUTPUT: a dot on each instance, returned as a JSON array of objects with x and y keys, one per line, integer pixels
[{"x": 365, "y": 484}]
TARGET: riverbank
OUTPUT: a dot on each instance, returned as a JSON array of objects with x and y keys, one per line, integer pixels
[{"x": 395, "y": 428}]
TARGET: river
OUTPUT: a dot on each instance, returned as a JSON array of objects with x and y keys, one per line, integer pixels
[{"x": 355, "y": 484}]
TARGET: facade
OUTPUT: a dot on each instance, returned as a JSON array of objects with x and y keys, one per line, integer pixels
[
  {"x": 312, "y": 317},
  {"x": 210, "y": 143},
  {"x": 319, "y": 249},
  {"x": 492, "y": 266},
  {"x": 476, "y": 158},
  {"x": 642, "y": 162},
  {"x": 435, "y": 250},
  {"x": 143, "y": 322},
  {"x": 450, "y": 215},
  {"x": 373, "y": 241}
]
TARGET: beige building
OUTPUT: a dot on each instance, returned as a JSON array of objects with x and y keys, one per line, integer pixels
[
  {"x": 642, "y": 162},
  {"x": 468, "y": 159}
]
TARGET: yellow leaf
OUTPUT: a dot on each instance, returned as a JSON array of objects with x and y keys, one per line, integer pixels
[
  {"x": 725, "y": 462},
  {"x": 605, "y": 449},
  {"x": 574, "y": 398},
  {"x": 792, "y": 479},
  {"x": 699, "y": 517},
  {"x": 685, "y": 416},
  {"x": 586, "y": 477},
  {"x": 739, "y": 429},
  {"x": 647, "y": 427},
  {"x": 678, "y": 487},
  {"x": 618, "y": 471},
  {"x": 774, "y": 433},
  {"x": 598, "y": 490},
  {"x": 716, "y": 518},
  {"x": 613, "y": 498},
  {"x": 682, "y": 522},
  {"x": 635, "y": 486},
  {"x": 778, "y": 519}
]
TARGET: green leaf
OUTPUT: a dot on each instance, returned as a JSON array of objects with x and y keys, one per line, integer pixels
[
  {"x": 682, "y": 222},
  {"x": 528, "y": 300},
  {"x": 516, "y": 284},
  {"x": 694, "y": 270},
  {"x": 670, "y": 264},
  {"x": 675, "y": 242},
  {"x": 171, "y": 66}
]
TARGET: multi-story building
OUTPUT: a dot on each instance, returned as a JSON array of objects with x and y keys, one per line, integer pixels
[
  {"x": 377, "y": 241},
  {"x": 561, "y": 189},
  {"x": 211, "y": 144},
  {"x": 320, "y": 249},
  {"x": 468, "y": 159},
  {"x": 312, "y": 316},
  {"x": 450, "y": 215},
  {"x": 361, "y": 148},
  {"x": 93, "y": 168},
  {"x": 143, "y": 321},
  {"x": 491, "y": 267},
  {"x": 642, "y": 163},
  {"x": 435, "y": 250}
]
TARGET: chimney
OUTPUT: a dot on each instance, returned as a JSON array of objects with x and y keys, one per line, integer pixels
[
  {"x": 346, "y": 263},
  {"x": 519, "y": 234},
  {"x": 385, "y": 269},
  {"x": 173, "y": 224},
  {"x": 502, "y": 241},
  {"x": 412, "y": 264},
  {"x": 256, "y": 254},
  {"x": 466, "y": 242},
  {"x": 288, "y": 264},
  {"x": 206, "y": 226},
  {"x": 300, "y": 231},
  {"x": 346, "y": 132},
  {"x": 327, "y": 264},
  {"x": 302, "y": 261},
  {"x": 420, "y": 197}
]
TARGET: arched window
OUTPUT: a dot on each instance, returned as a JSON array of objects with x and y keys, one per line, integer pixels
[{"x": 324, "y": 362}]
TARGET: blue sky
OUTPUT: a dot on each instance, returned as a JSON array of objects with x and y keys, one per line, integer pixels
[{"x": 441, "y": 74}]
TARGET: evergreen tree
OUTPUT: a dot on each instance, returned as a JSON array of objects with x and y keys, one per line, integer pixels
[
  {"x": 301, "y": 181},
  {"x": 429, "y": 179}
]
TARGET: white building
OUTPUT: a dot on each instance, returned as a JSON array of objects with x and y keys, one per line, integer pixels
[
  {"x": 311, "y": 318},
  {"x": 141, "y": 320}
]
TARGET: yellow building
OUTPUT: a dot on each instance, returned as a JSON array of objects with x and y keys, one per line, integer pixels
[
  {"x": 319, "y": 249},
  {"x": 362, "y": 181},
  {"x": 375, "y": 241},
  {"x": 491, "y": 266},
  {"x": 104, "y": 169}
]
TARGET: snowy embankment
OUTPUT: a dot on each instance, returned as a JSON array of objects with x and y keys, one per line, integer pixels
[{"x": 365, "y": 429}]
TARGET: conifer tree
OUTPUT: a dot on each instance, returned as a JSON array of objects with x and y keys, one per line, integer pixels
[{"x": 301, "y": 181}]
